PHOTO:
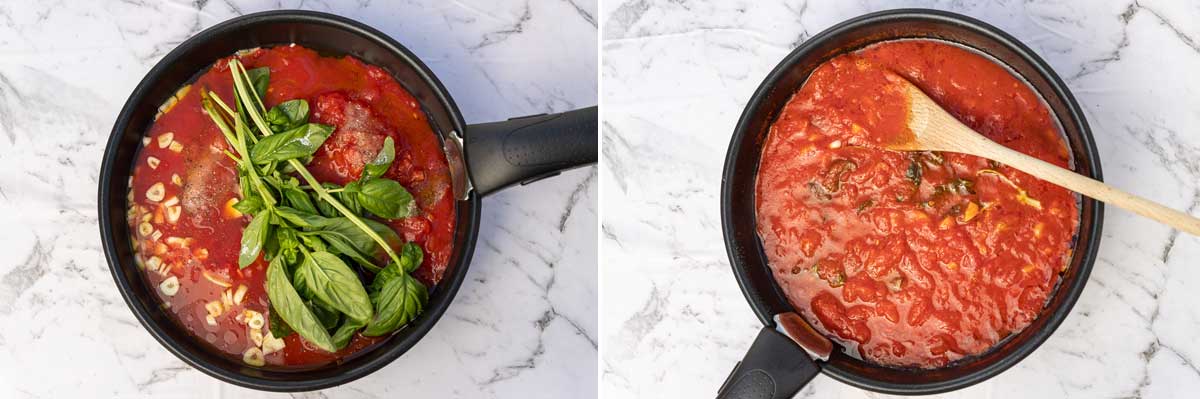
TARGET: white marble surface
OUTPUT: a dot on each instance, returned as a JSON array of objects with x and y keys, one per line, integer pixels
[
  {"x": 524, "y": 323},
  {"x": 676, "y": 76}
]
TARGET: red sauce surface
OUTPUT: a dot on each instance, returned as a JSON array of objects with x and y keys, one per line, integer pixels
[
  {"x": 364, "y": 103},
  {"x": 905, "y": 274}
]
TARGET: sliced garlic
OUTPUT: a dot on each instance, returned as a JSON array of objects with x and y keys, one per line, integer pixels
[
  {"x": 227, "y": 298},
  {"x": 176, "y": 147},
  {"x": 256, "y": 336},
  {"x": 173, "y": 213},
  {"x": 254, "y": 319},
  {"x": 240, "y": 294},
  {"x": 156, "y": 235},
  {"x": 171, "y": 201},
  {"x": 176, "y": 179},
  {"x": 154, "y": 262},
  {"x": 146, "y": 140},
  {"x": 254, "y": 357},
  {"x": 145, "y": 229},
  {"x": 177, "y": 242},
  {"x": 165, "y": 139},
  {"x": 215, "y": 280},
  {"x": 170, "y": 286},
  {"x": 212, "y": 321},
  {"x": 156, "y": 192},
  {"x": 153, "y": 162},
  {"x": 147, "y": 217},
  {"x": 271, "y": 344},
  {"x": 214, "y": 308}
]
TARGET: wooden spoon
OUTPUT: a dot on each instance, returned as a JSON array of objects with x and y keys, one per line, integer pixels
[{"x": 933, "y": 129}]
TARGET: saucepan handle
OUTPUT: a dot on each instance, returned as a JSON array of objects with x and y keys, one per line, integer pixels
[
  {"x": 527, "y": 149},
  {"x": 774, "y": 368}
]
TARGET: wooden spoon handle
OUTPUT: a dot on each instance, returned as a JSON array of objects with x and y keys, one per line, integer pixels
[{"x": 1089, "y": 187}]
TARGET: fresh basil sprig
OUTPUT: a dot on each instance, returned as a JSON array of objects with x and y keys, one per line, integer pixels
[{"x": 313, "y": 235}]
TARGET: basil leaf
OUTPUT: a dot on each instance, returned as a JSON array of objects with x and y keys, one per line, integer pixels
[
  {"x": 300, "y": 142},
  {"x": 359, "y": 240},
  {"x": 333, "y": 283},
  {"x": 253, "y": 238},
  {"x": 386, "y": 199},
  {"x": 411, "y": 257},
  {"x": 249, "y": 206},
  {"x": 287, "y": 301},
  {"x": 287, "y": 115},
  {"x": 349, "y": 197},
  {"x": 314, "y": 243},
  {"x": 325, "y": 208},
  {"x": 259, "y": 78},
  {"x": 382, "y": 162},
  {"x": 276, "y": 325},
  {"x": 344, "y": 245},
  {"x": 299, "y": 200},
  {"x": 342, "y": 336},
  {"x": 398, "y": 301},
  {"x": 329, "y": 318},
  {"x": 298, "y": 217}
]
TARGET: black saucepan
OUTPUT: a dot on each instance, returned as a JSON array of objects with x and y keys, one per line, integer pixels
[
  {"x": 483, "y": 158},
  {"x": 775, "y": 367}
]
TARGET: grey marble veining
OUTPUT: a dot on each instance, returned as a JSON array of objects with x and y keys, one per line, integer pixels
[
  {"x": 524, "y": 323},
  {"x": 677, "y": 75}
]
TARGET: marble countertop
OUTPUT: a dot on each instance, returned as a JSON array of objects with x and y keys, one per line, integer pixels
[
  {"x": 676, "y": 76},
  {"x": 524, "y": 323}
]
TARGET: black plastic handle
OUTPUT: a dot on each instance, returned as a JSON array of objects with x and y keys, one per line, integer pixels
[
  {"x": 774, "y": 368},
  {"x": 527, "y": 149}
]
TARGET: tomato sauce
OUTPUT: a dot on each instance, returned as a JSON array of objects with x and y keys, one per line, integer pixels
[
  {"x": 180, "y": 210},
  {"x": 912, "y": 259}
]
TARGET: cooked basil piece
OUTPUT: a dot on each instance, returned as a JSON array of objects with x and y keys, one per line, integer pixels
[{"x": 913, "y": 173}]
